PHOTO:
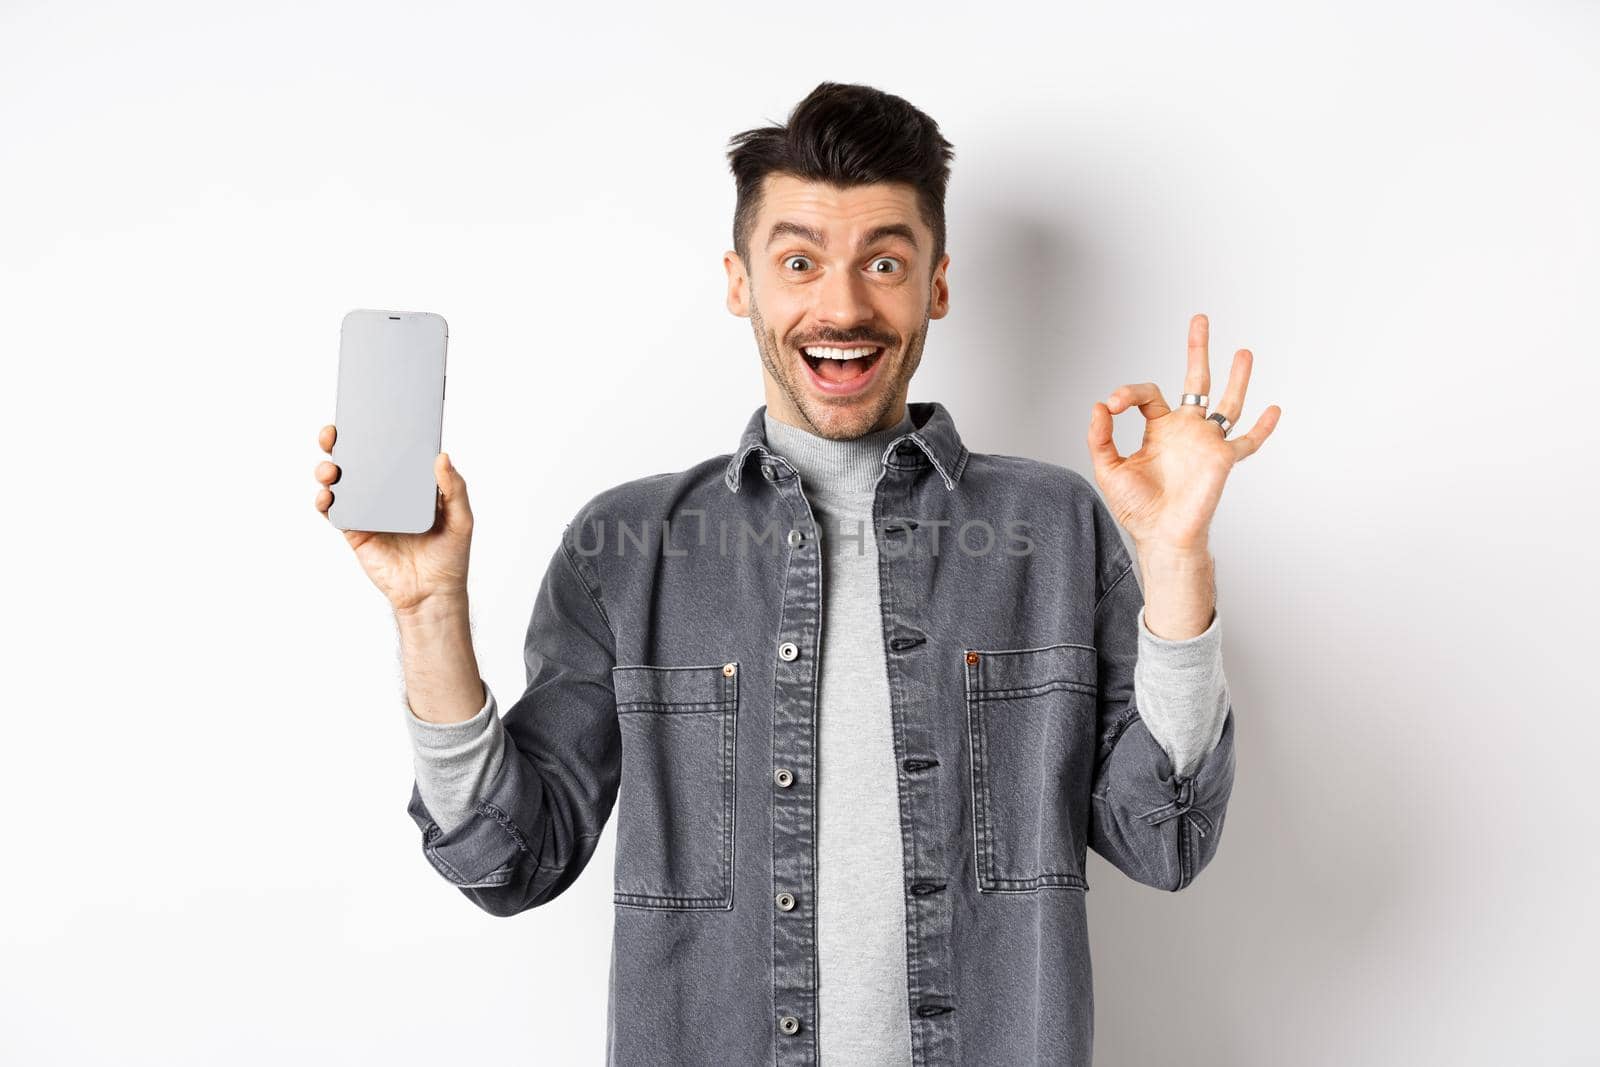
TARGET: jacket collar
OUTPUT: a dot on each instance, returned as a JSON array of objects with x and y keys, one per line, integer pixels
[{"x": 934, "y": 433}]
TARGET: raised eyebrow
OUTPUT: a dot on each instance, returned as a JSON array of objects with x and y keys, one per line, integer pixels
[
  {"x": 783, "y": 228},
  {"x": 897, "y": 229}
]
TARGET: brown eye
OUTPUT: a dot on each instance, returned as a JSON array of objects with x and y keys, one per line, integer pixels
[
  {"x": 792, "y": 260},
  {"x": 894, "y": 267}
]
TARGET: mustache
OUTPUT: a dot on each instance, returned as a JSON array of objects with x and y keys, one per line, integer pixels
[{"x": 847, "y": 337}]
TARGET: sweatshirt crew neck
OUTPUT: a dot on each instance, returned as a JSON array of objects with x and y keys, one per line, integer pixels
[{"x": 834, "y": 466}]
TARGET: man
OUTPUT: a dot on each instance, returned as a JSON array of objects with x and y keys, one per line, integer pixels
[{"x": 861, "y": 696}]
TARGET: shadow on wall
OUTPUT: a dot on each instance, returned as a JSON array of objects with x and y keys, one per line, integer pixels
[
  {"x": 1316, "y": 874},
  {"x": 1014, "y": 291},
  {"x": 1305, "y": 902}
]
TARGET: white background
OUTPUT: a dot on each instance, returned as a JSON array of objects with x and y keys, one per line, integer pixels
[{"x": 206, "y": 854}]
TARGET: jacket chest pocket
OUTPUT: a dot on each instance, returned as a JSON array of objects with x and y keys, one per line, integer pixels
[
  {"x": 675, "y": 814},
  {"x": 1031, "y": 717}
]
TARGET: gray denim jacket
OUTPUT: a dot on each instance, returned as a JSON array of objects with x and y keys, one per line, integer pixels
[{"x": 672, "y": 674}]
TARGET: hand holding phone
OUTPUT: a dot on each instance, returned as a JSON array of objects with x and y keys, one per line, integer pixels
[{"x": 391, "y": 388}]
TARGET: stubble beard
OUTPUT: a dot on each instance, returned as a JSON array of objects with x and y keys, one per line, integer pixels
[{"x": 783, "y": 371}]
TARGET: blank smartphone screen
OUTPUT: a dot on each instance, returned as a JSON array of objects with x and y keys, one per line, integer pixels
[{"x": 389, "y": 420}]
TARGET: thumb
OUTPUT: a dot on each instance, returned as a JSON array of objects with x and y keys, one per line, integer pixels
[{"x": 453, "y": 488}]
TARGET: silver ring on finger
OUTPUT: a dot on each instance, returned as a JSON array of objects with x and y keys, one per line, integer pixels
[
  {"x": 1195, "y": 398},
  {"x": 1221, "y": 420}
]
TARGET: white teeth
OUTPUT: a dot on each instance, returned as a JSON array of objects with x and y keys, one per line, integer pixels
[{"x": 820, "y": 352}]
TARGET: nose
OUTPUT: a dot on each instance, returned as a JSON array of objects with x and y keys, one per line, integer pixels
[{"x": 842, "y": 300}]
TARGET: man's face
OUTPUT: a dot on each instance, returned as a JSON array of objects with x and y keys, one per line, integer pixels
[{"x": 844, "y": 271}]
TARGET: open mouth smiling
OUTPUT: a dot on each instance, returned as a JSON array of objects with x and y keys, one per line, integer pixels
[{"x": 841, "y": 369}]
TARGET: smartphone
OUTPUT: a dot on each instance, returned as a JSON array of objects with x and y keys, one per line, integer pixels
[{"x": 389, "y": 420}]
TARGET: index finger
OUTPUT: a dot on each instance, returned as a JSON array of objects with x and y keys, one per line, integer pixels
[{"x": 325, "y": 438}]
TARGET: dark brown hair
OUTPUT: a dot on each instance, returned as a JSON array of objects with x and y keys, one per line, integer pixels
[{"x": 844, "y": 135}]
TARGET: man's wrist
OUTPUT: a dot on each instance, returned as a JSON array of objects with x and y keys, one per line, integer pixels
[
  {"x": 433, "y": 612},
  {"x": 442, "y": 683},
  {"x": 1179, "y": 590},
  {"x": 1184, "y": 558}
]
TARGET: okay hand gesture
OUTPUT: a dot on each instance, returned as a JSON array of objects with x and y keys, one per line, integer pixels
[{"x": 1165, "y": 494}]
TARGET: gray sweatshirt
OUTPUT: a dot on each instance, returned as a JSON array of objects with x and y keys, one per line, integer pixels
[{"x": 1180, "y": 691}]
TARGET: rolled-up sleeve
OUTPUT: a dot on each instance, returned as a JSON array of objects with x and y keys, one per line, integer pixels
[
  {"x": 533, "y": 823},
  {"x": 455, "y": 762},
  {"x": 1157, "y": 814},
  {"x": 1181, "y": 692}
]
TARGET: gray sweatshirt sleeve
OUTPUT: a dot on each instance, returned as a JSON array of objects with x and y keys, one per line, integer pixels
[
  {"x": 456, "y": 762},
  {"x": 1181, "y": 692}
]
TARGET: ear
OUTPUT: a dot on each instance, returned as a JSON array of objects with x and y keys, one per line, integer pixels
[
  {"x": 939, "y": 299},
  {"x": 738, "y": 284}
]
